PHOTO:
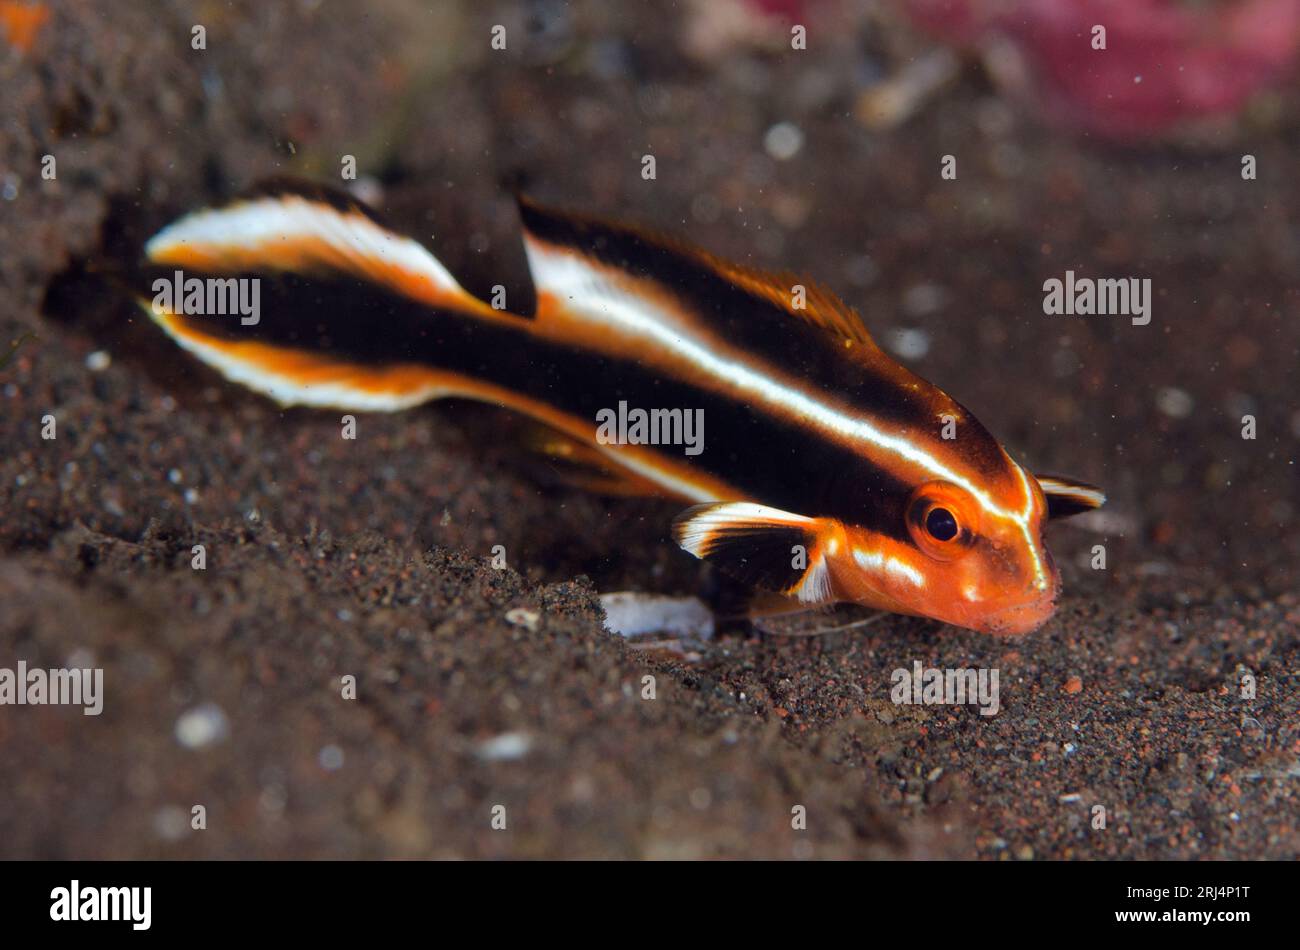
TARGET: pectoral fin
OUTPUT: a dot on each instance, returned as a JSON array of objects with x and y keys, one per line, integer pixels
[
  {"x": 1067, "y": 496},
  {"x": 771, "y": 549}
]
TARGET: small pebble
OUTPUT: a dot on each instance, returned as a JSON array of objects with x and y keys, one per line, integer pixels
[
  {"x": 909, "y": 342},
  {"x": 330, "y": 758},
  {"x": 783, "y": 141},
  {"x": 1174, "y": 403},
  {"x": 506, "y": 747},
  {"x": 523, "y": 617},
  {"x": 171, "y": 822},
  {"x": 201, "y": 726}
]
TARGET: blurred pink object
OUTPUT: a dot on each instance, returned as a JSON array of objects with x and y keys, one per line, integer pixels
[
  {"x": 792, "y": 11},
  {"x": 1165, "y": 61}
]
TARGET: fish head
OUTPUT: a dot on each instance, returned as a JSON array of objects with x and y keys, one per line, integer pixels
[{"x": 962, "y": 555}]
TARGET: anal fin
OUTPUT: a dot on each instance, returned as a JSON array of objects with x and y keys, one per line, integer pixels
[{"x": 584, "y": 466}]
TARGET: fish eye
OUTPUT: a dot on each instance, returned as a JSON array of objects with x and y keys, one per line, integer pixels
[
  {"x": 943, "y": 520},
  {"x": 941, "y": 524}
]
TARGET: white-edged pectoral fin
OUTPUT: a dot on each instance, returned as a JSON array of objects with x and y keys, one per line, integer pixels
[{"x": 768, "y": 548}]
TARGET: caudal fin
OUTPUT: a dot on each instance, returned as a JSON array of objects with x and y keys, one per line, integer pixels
[
  {"x": 289, "y": 227},
  {"x": 348, "y": 312}
]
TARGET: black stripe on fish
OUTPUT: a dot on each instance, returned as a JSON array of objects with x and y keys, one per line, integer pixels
[{"x": 356, "y": 328}]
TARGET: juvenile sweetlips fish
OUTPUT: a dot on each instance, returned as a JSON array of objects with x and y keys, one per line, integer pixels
[{"x": 825, "y": 476}]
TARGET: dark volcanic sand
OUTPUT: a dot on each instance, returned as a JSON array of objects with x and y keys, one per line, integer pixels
[{"x": 371, "y": 558}]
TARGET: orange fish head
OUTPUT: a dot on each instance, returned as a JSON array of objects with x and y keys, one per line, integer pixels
[{"x": 967, "y": 559}]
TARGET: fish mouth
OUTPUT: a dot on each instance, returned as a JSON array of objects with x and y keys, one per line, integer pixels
[
  {"x": 1023, "y": 609},
  {"x": 1019, "y": 617}
]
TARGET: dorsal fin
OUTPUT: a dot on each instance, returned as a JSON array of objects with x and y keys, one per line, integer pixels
[
  {"x": 821, "y": 308},
  {"x": 647, "y": 254}
]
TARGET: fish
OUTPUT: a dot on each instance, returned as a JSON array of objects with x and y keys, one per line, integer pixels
[{"x": 827, "y": 473}]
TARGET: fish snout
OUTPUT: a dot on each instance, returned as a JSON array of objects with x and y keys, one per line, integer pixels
[
  {"x": 1026, "y": 610},
  {"x": 1016, "y": 620}
]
